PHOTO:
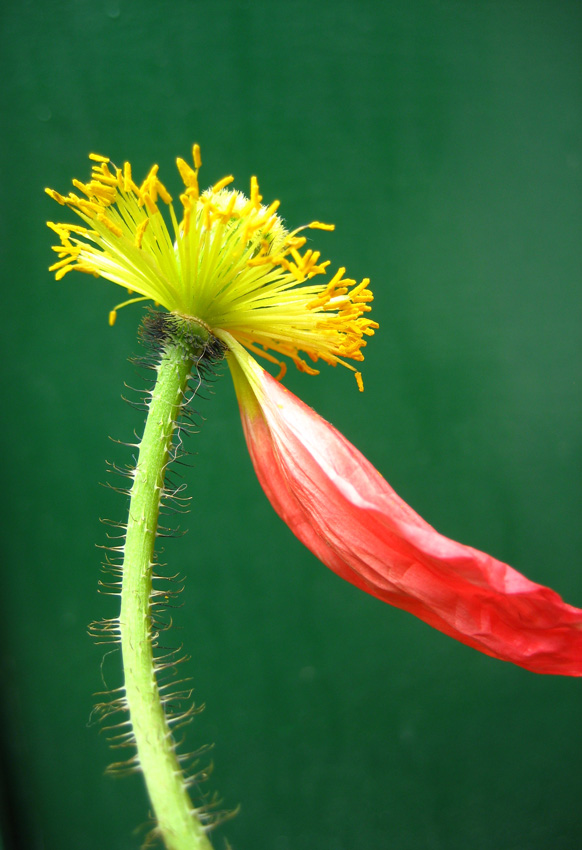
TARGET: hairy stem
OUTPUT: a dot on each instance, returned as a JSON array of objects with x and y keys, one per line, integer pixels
[{"x": 178, "y": 823}]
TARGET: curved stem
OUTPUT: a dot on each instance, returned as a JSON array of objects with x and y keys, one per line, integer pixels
[{"x": 177, "y": 821}]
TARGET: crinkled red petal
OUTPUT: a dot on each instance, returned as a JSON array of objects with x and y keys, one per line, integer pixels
[{"x": 344, "y": 511}]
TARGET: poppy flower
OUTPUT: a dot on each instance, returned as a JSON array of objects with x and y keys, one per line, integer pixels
[{"x": 232, "y": 267}]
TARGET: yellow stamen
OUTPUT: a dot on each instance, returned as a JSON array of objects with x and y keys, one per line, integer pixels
[
  {"x": 88, "y": 207},
  {"x": 187, "y": 207},
  {"x": 150, "y": 203},
  {"x": 255, "y": 197},
  {"x": 127, "y": 180},
  {"x": 229, "y": 208},
  {"x": 319, "y": 225},
  {"x": 82, "y": 187},
  {"x": 265, "y": 354},
  {"x": 303, "y": 366},
  {"x": 272, "y": 208},
  {"x": 59, "y": 275},
  {"x": 117, "y": 231},
  {"x": 125, "y": 304},
  {"x": 68, "y": 229},
  {"x": 222, "y": 183},
  {"x": 105, "y": 193},
  {"x": 196, "y": 156},
  {"x": 96, "y": 157},
  {"x": 104, "y": 176},
  {"x": 163, "y": 192},
  {"x": 139, "y": 233},
  {"x": 187, "y": 174},
  {"x": 61, "y": 264},
  {"x": 55, "y": 196}
]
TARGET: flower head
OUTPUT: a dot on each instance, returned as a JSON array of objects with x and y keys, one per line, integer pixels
[{"x": 230, "y": 263}]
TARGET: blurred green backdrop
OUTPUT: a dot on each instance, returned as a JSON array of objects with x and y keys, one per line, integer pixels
[{"x": 445, "y": 141}]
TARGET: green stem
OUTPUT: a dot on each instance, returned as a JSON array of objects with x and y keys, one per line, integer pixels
[{"x": 177, "y": 820}]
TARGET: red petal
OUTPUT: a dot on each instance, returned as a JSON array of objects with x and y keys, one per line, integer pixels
[{"x": 342, "y": 509}]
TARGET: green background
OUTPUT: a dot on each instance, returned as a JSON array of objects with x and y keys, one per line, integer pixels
[{"x": 445, "y": 141}]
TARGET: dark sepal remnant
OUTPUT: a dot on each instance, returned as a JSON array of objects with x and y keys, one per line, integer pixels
[{"x": 160, "y": 329}]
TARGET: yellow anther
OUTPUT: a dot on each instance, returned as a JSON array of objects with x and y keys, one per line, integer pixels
[
  {"x": 59, "y": 275},
  {"x": 101, "y": 170},
  {"x": 360, "y": 293},
  {"x": 82, "y": 187},
  {"x": 112, "y": 317},
  {"x": 196, "y": 156},
  {"x": 261, "y": 260},
  {"x": 193, "y": 191},
  {"x": 55, "y": 196},
  {"x": 321, "y": 268},
  {"x": 150, "y": 203},
  {"x": 105, "y": 193},
  {"x": 360, "y": 381},
  {"x": 127, "y": 179},
  {"x": 222, "y": 183},
  {"x": 104, "y": 177},
  {"x": 62, "y": 263},
  {"x": 257, "y": 223},
  {"x": 149, "y": 184},
  {"x": 272, "y": 208},
  {"x": 296, "y": 272},
  {"x": 96, "y": 157},
  {"x": 337, "y": 278},
  {"x": 87, "y": 207},
  {"x": 320, "y": 225},
  {"x": 64, "y": 231},
  {"x": 145, "y": 191},
  {"x": 279, "y": 260},
  {"x": 296, "y": 242},
  {"x": 187, "y": 174},
  {"x": 229, "y": 208},
  {"x": 117, "y": 231},
  {"x": 163, "y": 192},
  {"x": 187, "y": 207},
  {"x": 304, "y": 367},
  {"x": 255, "y": 197},
  {"x": 139, "y": 233},
  {"x": 245, "y": 210}
]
